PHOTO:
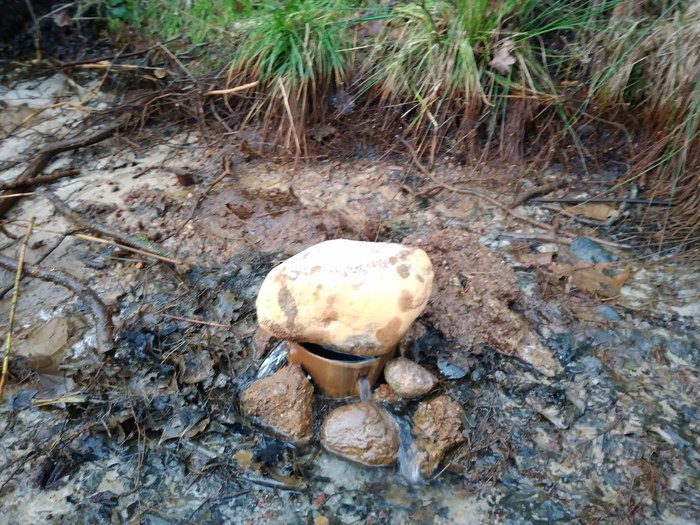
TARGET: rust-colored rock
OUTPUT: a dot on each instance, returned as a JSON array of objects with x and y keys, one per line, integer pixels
[
  {"x": 409, "y": 379},
  {"x": 282, "y": 402},
  {"x": 385, "y": 393},
  {"x": 437, "y": 427},
  {"x": 363, "y": 433}
]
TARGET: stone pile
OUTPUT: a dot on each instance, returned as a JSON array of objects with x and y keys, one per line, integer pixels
[{"x": 359, "y": 299}]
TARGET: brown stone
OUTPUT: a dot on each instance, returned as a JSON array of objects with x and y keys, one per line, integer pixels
[
  {"x": 409, "y": 379},
  {"x": 363, "y": 433},
  {"x": 262, "y": 342},
  {"x": 282, "y": 402},
  {"x": 437, "y": 427}
]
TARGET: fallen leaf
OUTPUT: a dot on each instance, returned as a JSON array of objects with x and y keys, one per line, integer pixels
[
  {"x": 244, "y": 458},
  {"x": 503, "y": 60},
  {"x": 536, "y": 260},
  {"x": 596, "y": 211},
  {"x": 593, "y": 279}
]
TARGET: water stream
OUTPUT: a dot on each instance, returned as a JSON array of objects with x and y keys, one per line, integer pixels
[{"x": 364, "y": 389}]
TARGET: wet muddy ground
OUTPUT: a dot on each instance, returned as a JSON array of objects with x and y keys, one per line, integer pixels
[{"x": 151, "y": 432}]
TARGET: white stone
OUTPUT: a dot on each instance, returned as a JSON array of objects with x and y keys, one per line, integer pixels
[{"x": 352, "y": 296}]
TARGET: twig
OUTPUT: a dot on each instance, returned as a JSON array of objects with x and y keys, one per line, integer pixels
[
  {"x": 536, "y": 192},
  {"x": 288, "y": 109},
  {"x": 467, "y": 191},
  {"x": 193, "y": 321},
  {"x": 128, "y": 248},
  {"x": 50, "y": 151},
  {"x": 103, "y": 321},
  {"x": 56, "y": 175},
  {"x": 15, "y": 195},
  {"x": 123, "y": 241},
  {"x": 40, "y": 259},
  {"x": 13, "y": 308},
  {"x": 111, "y": 57},
  {"x": 584, "y": 200},
  {"x": 231, "y": 91}
]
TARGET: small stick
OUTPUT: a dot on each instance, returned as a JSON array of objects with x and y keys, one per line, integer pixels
[
  {"x": 536, "y": 192},
  {"x": 193, "y": 321},
  {"x": 103, "y": 321},
  {"x": 233, "y": 90},
  {"x": 119, "y": 239},
  {"x": 49, "y": 151},
  {"x": 126, "y": 248},
  {"x": 13, "y": 308},
  {"x": 15, "y": 195},
  {"x": 594, "y": 200}
]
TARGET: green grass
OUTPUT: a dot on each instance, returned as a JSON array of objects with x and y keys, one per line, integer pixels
[{"x": 199, "y": 21}]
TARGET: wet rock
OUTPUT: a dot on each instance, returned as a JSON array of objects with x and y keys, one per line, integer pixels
[
  {"x": 474, "y": 291},
  {"x": 590, "y": 251},
  {"x": 283, "y": 402},
  {"x": 437, "y": 427},
  {"x": 409, "y": 379},
  {"x": 352, "y": 296},
  {"x": 451, "y": 370},
  {"x": 363, "y": 433},
  {"x": 608, "y": 313}
]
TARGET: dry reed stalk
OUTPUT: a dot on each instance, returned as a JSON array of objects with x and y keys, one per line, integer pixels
[{"x": 13, "y": 308}]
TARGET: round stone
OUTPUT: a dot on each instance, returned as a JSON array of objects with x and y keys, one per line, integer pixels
[
  {"x": 363, "y": 433},
  {"x": 409, "y": 379}
]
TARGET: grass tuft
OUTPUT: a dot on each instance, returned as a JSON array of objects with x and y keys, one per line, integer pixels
[{"x": 298, "y": 53}]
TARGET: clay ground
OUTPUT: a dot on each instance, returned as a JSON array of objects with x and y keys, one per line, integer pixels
[{"x": 149, "y": 431}]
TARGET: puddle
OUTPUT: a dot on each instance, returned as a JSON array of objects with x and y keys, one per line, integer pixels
[{"x": 152, "y": 432}]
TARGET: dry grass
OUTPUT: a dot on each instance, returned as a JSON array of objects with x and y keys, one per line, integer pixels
[{"x": 650, "y": 75}]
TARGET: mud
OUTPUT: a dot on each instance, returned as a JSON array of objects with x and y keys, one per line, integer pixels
[{"x": 151, "y": 432}]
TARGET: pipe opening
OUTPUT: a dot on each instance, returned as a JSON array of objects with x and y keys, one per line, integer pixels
[{"x": 334, "y": 355}]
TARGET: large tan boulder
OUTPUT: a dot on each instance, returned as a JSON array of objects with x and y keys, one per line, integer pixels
[{"x": 352, "y": 296}]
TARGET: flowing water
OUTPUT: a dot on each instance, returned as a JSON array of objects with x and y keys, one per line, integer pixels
[{"x": 364, "y": 389}]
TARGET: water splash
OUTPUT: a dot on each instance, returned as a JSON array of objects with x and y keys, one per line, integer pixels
[
  {"x": 409, "y": 460},
  {"x": 275, "y": 360},
  {"x": 364, "y": 388}
]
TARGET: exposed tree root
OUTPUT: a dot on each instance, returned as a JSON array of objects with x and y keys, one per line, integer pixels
[{"x": 103, "y": 321}]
